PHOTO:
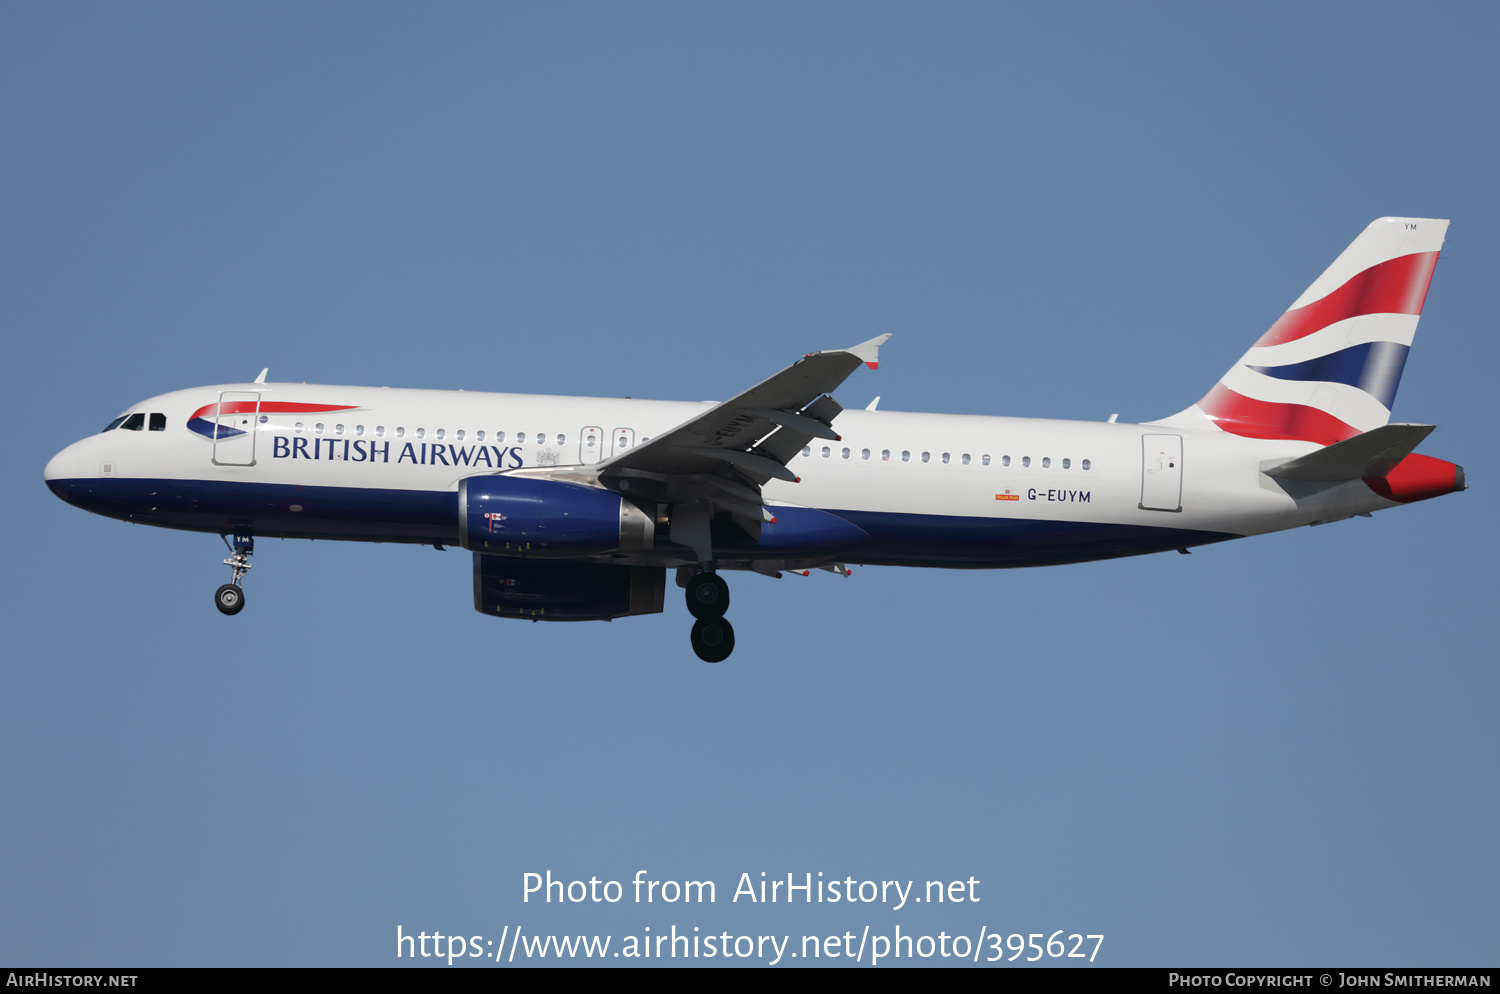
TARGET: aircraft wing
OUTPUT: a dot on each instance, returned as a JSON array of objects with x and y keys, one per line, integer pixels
[
  {"x": 719, "y": 459},
  {"x": 758, "y": 432}
]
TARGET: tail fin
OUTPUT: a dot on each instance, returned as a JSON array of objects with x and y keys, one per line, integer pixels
[{"x": 1329, "y": 368}]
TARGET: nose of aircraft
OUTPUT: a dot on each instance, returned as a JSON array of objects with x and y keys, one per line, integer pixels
[
  {"x": 67, "y": 464},
  {"x": 69, "y": 470}
]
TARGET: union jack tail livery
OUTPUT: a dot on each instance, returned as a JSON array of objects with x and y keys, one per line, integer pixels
[{"x": 1328, "y": 369}]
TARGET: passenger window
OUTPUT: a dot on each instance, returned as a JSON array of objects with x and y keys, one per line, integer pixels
[
  {"x": 562, "y": 440},
  {"x": 479, "y": 435},
  {"x": 338, "y": 429},
  {"x": 966, "y": 459},
  {"x": 1046, "y": 462},
  {"x": 135, "y": 422},
  {"x": 1005, "y": 460},
  {"x": 906, "y": 455},
  {"x": 499, "y": 438},
  {"x": 520, "y": 438},
  {"x": 926, "y": 456},
  {"x": 589, "y": 441},
  {"x": 826, "y": 452},
  {"x": 1067, "y": 464},
  {"x": 421, "y": 432},
  {"x": 440, "y": 434},
  {"x": 864, "y": 454},
  {"x": 380, "y": 431},
  {"x": 114, "y": 424},
  {"x": 986, "y": 461},
  {"x": 298, "y": 427},
  {"x": 806, "y": 451},
  {"x": 1085, "y": 464},
  {"x": 159, "y": 422},
  {"x": 359, "y": 431},
  {"x": 846, "y": 453},
  {"x": 401, "y": 432},
  {"x": 885, "y": 455},
  {"x": 1026, "y": 461},
  {"x": 318, "y": 428},
  {"x": 459, "y": 434},
  {"x": 945, "y": 458}
]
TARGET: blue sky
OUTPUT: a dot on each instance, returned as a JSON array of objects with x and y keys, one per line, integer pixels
[{"x": 1274, "y": 751}]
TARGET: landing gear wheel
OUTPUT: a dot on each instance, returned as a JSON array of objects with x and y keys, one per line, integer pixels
[
  {"x": 229, "y": 599},
  {"x": 713, "y": 639},
  {"x": 707, "y": 597}
]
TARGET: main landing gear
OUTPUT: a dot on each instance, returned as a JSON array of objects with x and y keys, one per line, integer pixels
[
  {"x": 230, "y": 598},
  {"x": 707, "y": 600}
]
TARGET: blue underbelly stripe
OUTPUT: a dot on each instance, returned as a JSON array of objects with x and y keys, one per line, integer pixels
[{"x": 428, "y": 516}]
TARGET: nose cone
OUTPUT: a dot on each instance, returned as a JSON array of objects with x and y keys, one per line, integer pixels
[
  {"x": 58, "y": 467},
  {"x": 73, "y": 472}
]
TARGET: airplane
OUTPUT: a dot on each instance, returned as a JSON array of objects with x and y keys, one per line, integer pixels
[{"x": 575, "y": 508}]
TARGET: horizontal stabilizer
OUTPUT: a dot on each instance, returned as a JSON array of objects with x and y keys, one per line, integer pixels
[{"x": 1369, "y": 455}]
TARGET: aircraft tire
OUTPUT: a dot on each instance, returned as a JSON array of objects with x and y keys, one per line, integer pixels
[
  {"x": 713, "y": 639},
  {"x": 707, "y": 596},
  {"x": 229, "y": 599}
]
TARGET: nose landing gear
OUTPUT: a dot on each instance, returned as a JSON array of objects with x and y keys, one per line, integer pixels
[
  {"x": 707, "y": 600},
  {"x": 230, "y": 598}
]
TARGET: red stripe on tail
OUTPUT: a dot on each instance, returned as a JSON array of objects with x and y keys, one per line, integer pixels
[
  {"x": 1397, "y": 286},
  {"x": 1241, "y": 415}
]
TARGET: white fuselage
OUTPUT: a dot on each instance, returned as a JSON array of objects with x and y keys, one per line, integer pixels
[{"x": 931, "y": 489}]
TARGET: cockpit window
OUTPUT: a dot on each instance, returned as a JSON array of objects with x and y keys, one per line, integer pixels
[
  {"x": 158, "y": 422},
  {"x": 114, "y": 424},
  {"x": 135, "y": 422}
]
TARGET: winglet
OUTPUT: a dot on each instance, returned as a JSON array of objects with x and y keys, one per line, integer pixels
[
  {"x": 262, "y": 377},
  {"x": 868, "y": 352}
]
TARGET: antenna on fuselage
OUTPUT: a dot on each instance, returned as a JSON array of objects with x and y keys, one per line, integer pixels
[{"x": 262, "y": 377}]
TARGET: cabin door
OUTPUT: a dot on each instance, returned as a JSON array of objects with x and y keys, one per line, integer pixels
[
  {"x": 235, "y": 426},
  {"x": 1161, "y": 473}
]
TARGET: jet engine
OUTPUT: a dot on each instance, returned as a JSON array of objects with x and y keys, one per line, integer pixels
[
  {"x": 547, "y": 519},
  {"x": 547, "y": 590}
]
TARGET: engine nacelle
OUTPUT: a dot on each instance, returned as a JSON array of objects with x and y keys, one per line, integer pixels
[
  {"x": 519, "y": 516},
  {"x": 541, "y": 590}
]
